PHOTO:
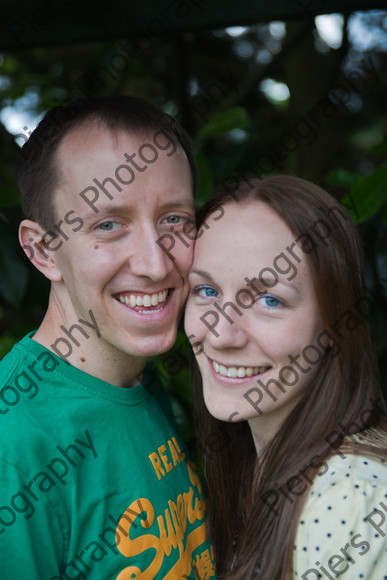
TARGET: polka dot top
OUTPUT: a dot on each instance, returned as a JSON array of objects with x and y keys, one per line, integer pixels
[{"x": 342, "y": 530}]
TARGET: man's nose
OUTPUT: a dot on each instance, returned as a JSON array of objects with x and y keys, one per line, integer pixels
[{"x": 147, "y": 258}]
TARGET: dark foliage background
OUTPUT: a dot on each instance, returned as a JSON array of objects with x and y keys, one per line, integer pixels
[{"x": 267, "y": 98}]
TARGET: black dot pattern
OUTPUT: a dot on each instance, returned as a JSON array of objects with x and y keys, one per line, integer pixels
[{"x": 342, "y": 530}]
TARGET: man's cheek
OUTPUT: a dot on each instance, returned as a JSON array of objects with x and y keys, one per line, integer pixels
[
  {"x": 184, "y": 259},
  {"x": 192, "y": 325}
]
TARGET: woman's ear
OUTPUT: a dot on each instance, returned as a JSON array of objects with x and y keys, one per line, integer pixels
[{"x": 32, "y": 240}]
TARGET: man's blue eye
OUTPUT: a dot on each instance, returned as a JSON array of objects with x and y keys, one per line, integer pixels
[
  {"x": 173, "y": 219},
  {"x": 108, "y": 226}
]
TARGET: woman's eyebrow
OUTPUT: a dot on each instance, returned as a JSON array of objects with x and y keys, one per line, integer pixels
[
  {"x": 265, "y": 282},
  {"x": 202, "y": 274},
  {"x": 281, "y": 281}
]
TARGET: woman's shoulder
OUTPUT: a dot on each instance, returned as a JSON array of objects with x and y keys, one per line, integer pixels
[
  {"x": 343, "y": 523},
  {"x": 352, "y": 470}
]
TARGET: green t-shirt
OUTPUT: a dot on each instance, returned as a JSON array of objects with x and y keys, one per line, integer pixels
[{"x": 94, "y": 481}]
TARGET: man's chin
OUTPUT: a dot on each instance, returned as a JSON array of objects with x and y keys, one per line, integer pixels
[{"x": 153, "y": 346}]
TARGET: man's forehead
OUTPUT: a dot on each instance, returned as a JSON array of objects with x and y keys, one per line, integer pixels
[
  {"x": 93, "y": 136},
  {"x": 100, "y": 165}
]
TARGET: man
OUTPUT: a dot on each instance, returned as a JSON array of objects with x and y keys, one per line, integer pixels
[{"x": 94, "y": 481}]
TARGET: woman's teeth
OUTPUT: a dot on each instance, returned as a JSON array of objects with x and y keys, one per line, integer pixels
[
  {"x": 237, "y": 372},
  {"x": 146, "y": 300}
]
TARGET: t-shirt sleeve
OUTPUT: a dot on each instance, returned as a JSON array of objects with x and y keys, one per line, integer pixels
[
  {"x": 31, "y": 529},
  {"x": 343, "y": 531}
]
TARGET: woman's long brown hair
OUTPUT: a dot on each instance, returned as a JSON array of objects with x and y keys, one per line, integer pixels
[{"x": 253, "y": 537}]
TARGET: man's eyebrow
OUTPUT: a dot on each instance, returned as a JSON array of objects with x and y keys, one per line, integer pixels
[
  {"x": 106, "y": 211},
  {"x": 111, "y": 209},
  {"x": 177, "y": 203}
]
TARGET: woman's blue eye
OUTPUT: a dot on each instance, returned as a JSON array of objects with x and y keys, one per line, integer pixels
[
  {"x": 206, "y": 291},
  {"x": 271, "y": 301}
]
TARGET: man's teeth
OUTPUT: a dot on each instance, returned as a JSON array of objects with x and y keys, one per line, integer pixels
[
  {"x": 146, "y": 300},
  {"x": 237, "y": 372}
]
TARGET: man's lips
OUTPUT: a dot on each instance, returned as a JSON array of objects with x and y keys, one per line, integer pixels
[{"x": 136, "y": 300}]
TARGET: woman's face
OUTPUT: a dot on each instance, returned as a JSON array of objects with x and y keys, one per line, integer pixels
[{"x": 253, "y": 314}]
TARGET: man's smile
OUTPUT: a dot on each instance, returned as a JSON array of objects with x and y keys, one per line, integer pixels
[{"x": 143, "y": 299}]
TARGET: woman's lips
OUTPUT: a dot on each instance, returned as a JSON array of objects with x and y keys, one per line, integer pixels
[{"x": 239, "y": 372}]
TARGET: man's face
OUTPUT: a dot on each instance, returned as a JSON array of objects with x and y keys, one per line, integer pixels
[{"x": 111, "y": 262}]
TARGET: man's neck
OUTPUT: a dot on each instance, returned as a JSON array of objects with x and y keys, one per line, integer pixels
[{"x": 85, "y": 350}]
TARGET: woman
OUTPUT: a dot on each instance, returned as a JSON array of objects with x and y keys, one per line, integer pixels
[{"x": 297, "y": 483}]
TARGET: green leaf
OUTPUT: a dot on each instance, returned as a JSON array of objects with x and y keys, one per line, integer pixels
[
  {"x": 235, "y": 118},
  {"x": 367, "y": 195},
  {"x": 6, "y": 343},
  {"x": 13, "y": 271},
  {"x": 379, "y": 149},
  {"x": 205, "y": 177},
  {"x": 341, "y": 178},
  {"x": 9, "y": 196}
]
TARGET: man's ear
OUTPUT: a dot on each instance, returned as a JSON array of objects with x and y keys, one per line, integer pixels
[{"x": 31, "y": 238}]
